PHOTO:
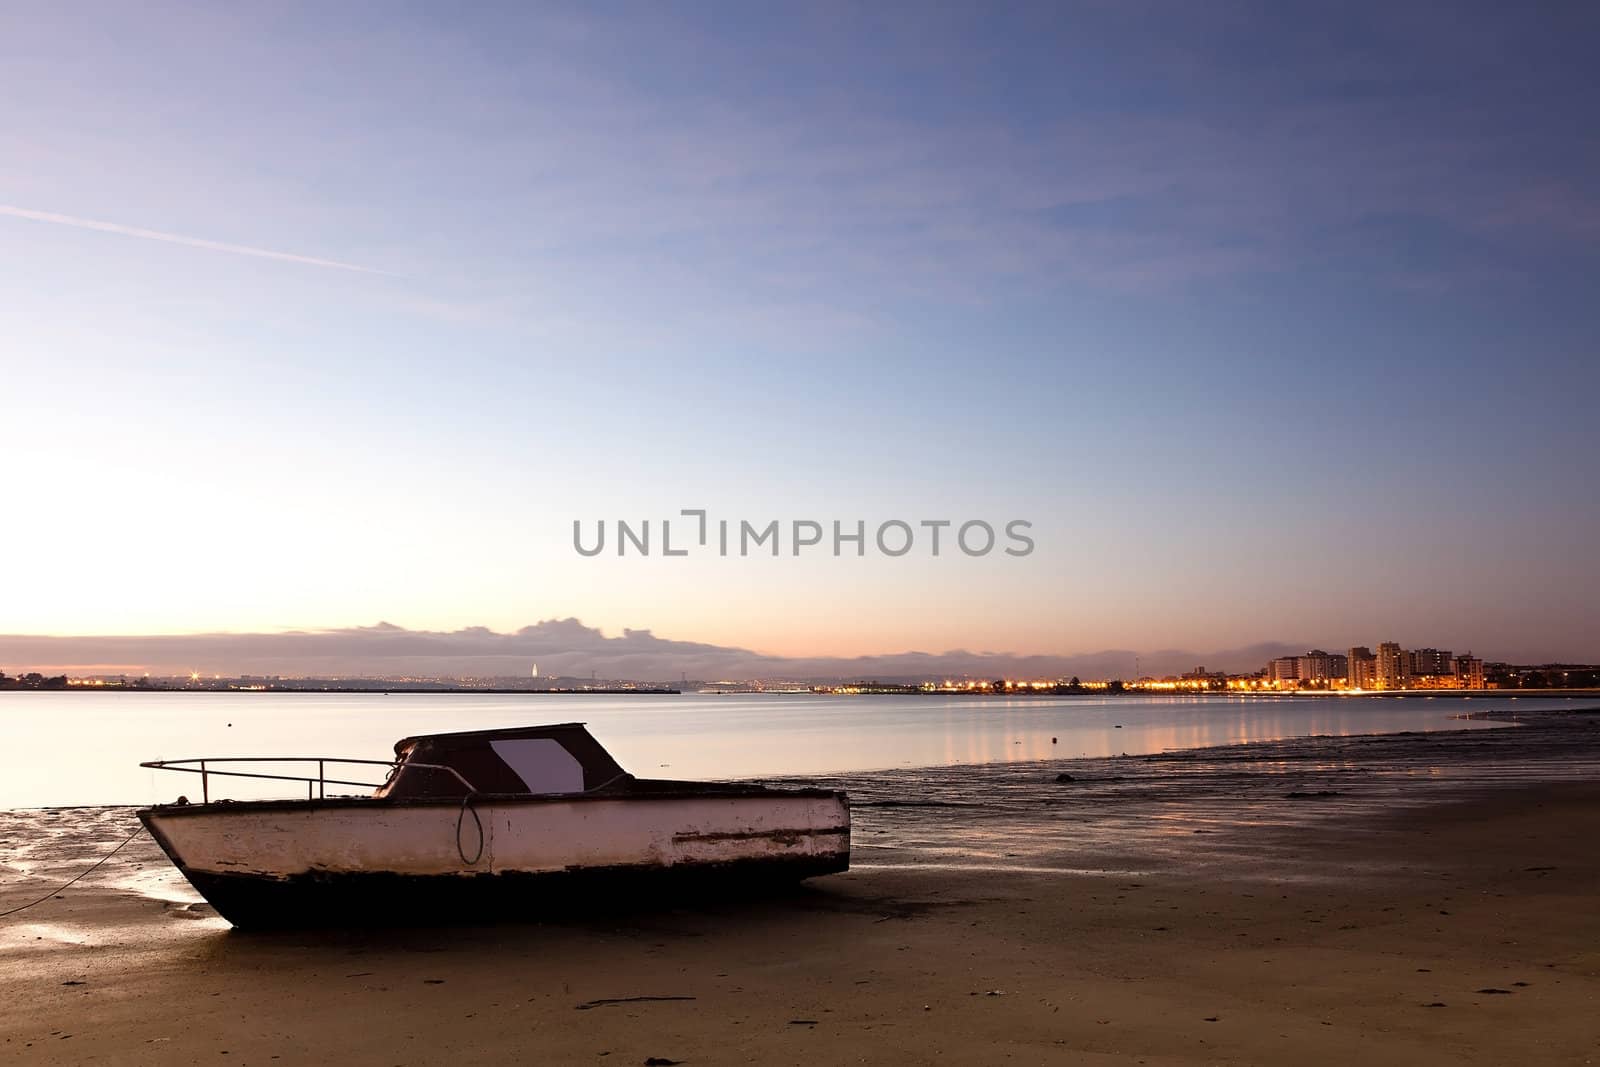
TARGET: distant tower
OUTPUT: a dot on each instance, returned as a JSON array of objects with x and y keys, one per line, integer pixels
[{"x": 536, "y": 670}]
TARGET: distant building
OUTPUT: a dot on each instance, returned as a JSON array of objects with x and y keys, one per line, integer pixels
[
  {"x": 1313, "y": 666},
  {"x": 1284, "y": 669},
  {"x": 1431, "y": 661},
  {"x": 1393, "y": 667},
  {"x": 1469, "y": 672},
  {"x": 1323, "y": 667},
  {"x": 1432, "y": 681},
  {"x": 1361, "y": 670}
]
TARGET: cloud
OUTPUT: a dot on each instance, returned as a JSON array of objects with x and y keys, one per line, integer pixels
[
  {"x": 178, "y": 239},
  {"x": 564, "y": 647},
  {"x": 1234, "y": 142}
]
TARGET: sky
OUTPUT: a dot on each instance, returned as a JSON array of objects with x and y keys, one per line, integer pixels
[{"x": 1276, "y": 322}]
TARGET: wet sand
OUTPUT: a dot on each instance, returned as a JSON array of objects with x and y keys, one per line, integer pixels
[{"x": 1403, "y": 899}]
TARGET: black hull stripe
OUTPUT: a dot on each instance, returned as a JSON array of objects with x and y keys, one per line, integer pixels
[{"x": 323, "y": 898}]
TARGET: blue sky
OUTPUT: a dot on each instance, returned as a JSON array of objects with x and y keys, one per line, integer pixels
[{"x": 1277, "y": 321}]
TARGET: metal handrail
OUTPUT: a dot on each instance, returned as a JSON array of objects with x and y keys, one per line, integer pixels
[{"x": 315, "y": 787}]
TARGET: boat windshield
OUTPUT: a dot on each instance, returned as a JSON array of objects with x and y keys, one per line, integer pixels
[{"x": 558, "y": 759}]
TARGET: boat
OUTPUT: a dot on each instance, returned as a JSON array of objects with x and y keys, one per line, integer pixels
[{"x": 482, "y": 825}]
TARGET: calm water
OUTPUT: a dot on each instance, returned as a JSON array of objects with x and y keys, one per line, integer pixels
[{"x": 84, "y": 748}]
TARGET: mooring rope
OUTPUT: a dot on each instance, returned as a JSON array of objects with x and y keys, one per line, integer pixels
[
  {"x": 136, "y": 831},
  {"x": 466, "y": 806}
]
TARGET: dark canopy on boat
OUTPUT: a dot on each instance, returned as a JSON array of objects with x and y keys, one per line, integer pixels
[{"x": 563, "y": 758}]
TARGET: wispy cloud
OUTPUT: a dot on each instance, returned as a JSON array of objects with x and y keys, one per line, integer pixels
[{"x": 178, "y": 239}]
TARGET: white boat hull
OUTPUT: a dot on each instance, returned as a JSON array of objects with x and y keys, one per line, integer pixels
[{"x": 279, "y": 863}]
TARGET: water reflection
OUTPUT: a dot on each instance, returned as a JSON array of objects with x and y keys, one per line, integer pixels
[
  {"x": 84, "y": 748},
  {"x": 1195, "y": 810}
]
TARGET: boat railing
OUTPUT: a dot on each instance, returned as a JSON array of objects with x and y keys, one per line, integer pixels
[{"x": 316, "y": 786}]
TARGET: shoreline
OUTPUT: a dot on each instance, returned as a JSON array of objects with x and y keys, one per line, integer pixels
[{"x": 642, "y": 690}]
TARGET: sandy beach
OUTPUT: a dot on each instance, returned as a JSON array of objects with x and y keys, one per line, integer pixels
[{"x": 1403, "y": 899}]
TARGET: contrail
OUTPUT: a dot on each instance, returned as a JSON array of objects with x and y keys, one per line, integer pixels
[{"x": 178, "y": 239}]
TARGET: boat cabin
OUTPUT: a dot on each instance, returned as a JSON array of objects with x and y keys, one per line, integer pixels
[{"x": 539, "y": 760}]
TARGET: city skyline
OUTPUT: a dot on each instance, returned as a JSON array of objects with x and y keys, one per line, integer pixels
[{"x": 1270, "y": 323}]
